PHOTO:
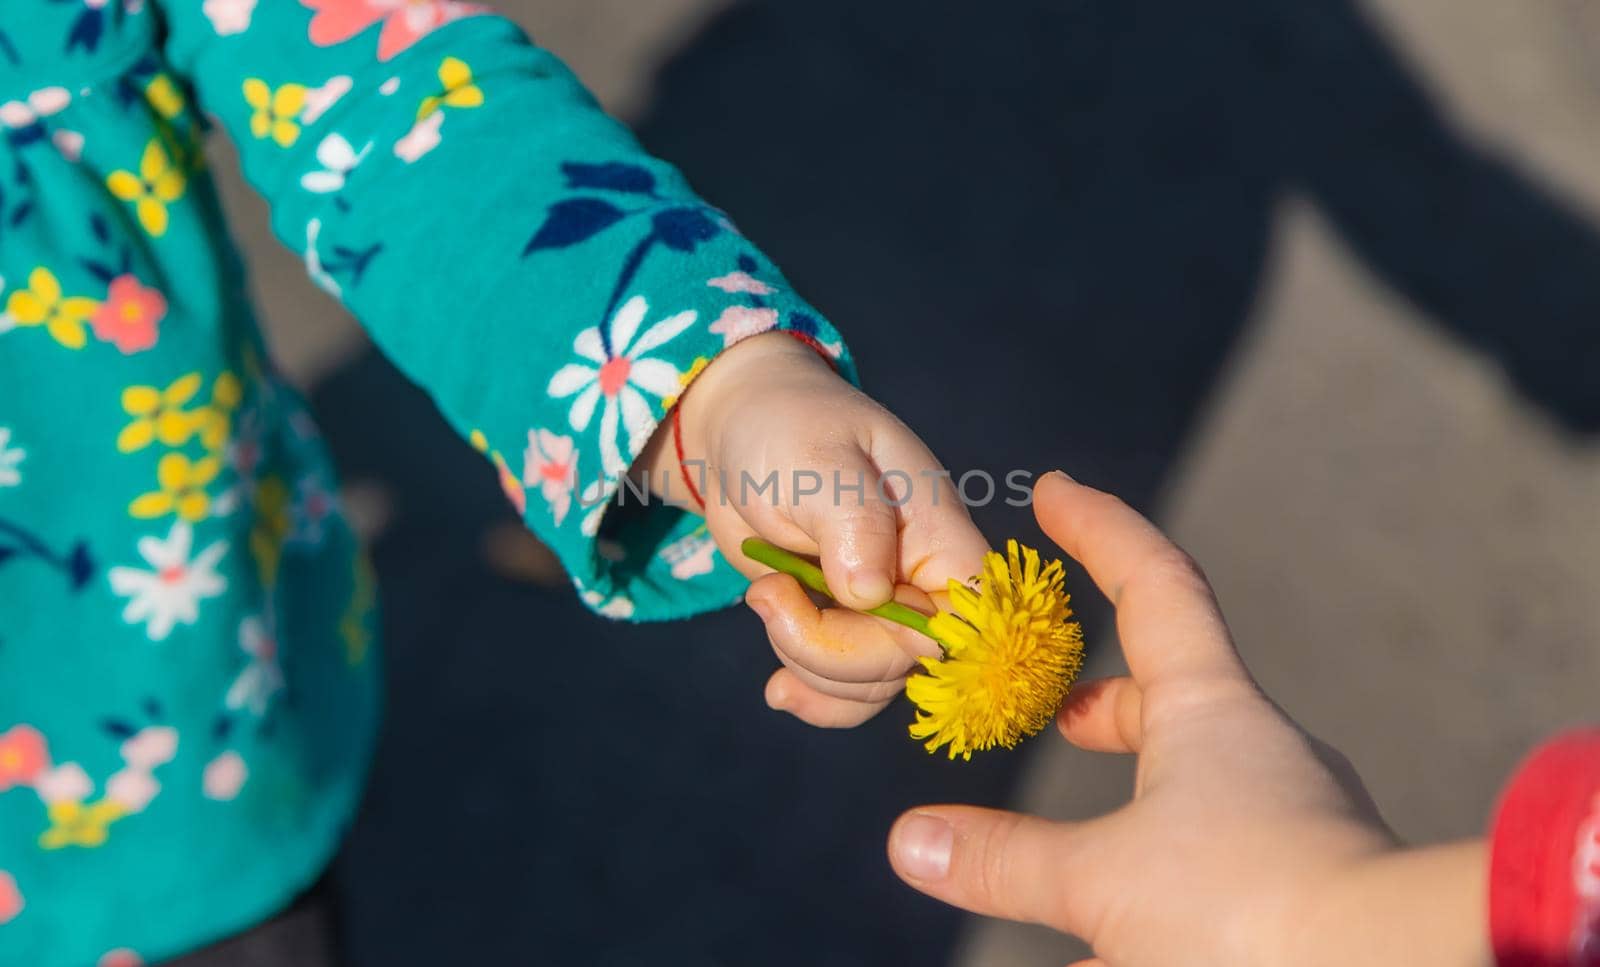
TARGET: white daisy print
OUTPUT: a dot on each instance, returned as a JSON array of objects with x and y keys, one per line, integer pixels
[
  {"x": 690, "y": 556},
  {"x": 10, "y": 458},
  {"x": 170, "y": 592},
  {"x": 619, "y": 378},
  {"x": 313, "y": 259},
  {"x": 337, "y": 159}
]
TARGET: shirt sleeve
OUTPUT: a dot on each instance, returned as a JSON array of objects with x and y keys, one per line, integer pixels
[
  {"x": 1544, "y": 858},
  {"x": 508, "y": 245}
]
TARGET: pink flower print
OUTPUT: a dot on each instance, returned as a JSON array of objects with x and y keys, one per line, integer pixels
[
  {"x": 23, "y": 756},
  {"x": 10, "y": 898},
  {"x": 121, "y": 957},
  {"x": 319, "y": 99},
  {"x": 314, "y": 504},
  {"x": 620, "y": 376},
  {"x": 64, "y": 783},
  {"x": 404, "y": 21},
  {"x": 262, "y": 677},
  {"x": 224, "y": 776},
  {"x": 229, "y": 17},
  {"x": 132, "y": 789},
  {"x": 129, "y": 316},
  {"x": 551, "y": 464},
  {"x": 69, "y": 143},
  {"x": 422, "y": 138},
  {"x": 511, "y": 486},
  {"x": 741, "y": 282},
  {"x": 152, "y": 746},
  {"x": 741, "y": 322}
]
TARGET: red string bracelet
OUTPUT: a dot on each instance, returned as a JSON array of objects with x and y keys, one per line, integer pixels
[{"x": 677, "y": 413}]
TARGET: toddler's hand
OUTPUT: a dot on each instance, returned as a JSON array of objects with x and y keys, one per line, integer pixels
[{"x": 771, "y": 408}]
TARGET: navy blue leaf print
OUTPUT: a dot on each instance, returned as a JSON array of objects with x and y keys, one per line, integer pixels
[
  {"x": 152, "y": 708},
  {"x": 80, "y": 566},
  {"x": 571, "y": 222},
  {"x": 77, "y": 565},
  {"x": 611, "y": 176},
  {"x": 118, "y": 728},
  {"x": 682, "y": 229},
  {"x": 98, "y": 270},
  {"x": 97, "y": 224},
  {"x": 748, "y": 264},
  {"x": 86, "y": 31},
  {"x": 26, "y": 135},
  {"x": 804, "y": 324}
]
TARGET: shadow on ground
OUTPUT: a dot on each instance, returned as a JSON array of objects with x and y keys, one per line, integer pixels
[{"x": 1043, "y": 229}]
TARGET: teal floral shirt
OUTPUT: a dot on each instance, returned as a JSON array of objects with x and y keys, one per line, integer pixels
[{"x": 188, "y": 692}]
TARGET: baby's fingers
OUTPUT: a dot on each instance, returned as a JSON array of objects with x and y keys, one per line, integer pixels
[
  {"x": 835, "y": 644},
  {"x": 787, "y": 693}
]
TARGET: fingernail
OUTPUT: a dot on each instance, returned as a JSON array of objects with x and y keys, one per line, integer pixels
[
  {"x": 922, "y": 847},
  {"x": 1063, "y": 475},
  {"x": 761, "y": 607},
  {"x": 873, "y": 586}
]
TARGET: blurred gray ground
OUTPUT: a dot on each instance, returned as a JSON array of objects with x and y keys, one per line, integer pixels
[{"x": 1408, "y": 549}]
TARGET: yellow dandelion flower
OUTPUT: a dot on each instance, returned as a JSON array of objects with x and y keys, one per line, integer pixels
[
  {"x": 183, "y": 489},
  {"x": 76, "y": 824},
  {"x": 159, "y": 183},
  {"x": 159, "y": 414},
  {"x": 1011, "y": 653},
  {"x": 459, "y": 88},
  {"x": 41, "y": 303},
  {"x": 275, "y": 112}
]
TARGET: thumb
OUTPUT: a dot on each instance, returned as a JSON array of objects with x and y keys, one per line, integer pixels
[
  {"x": 987, "y": 861},
  {"x": 857, "y": 533}
]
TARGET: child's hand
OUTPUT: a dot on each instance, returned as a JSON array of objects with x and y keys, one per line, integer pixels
[
  {"x": 1247, "y": 843},
  {"x": 771, "y": 406}
]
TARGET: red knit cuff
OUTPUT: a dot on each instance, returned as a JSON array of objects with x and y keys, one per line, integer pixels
[{"x": 1544, "y": 868}]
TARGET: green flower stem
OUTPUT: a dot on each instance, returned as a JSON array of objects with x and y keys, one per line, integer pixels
[{"x": 810, "y": 575}]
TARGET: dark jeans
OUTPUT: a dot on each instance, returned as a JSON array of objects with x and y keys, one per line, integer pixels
[{"x": 305, "y": 935}]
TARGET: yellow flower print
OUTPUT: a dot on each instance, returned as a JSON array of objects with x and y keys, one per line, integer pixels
[
  {"x": 216, "y": 419},
  {"x": 41, "y": 304},
  {"x": 159, "y": 414},
  {"x": 275, "y": 111},
  {"x": 459, "y": 89},
  {"x": 183, "y": 489},
  {"x": 158, "y": 184},
  {"x": 684, "y": 379},
  {"x": 75, "y": 824},
  {"x": 272, "y": 527},
  {"x": 163, "y": 95},
  {"x": 353, "y": 625}
]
